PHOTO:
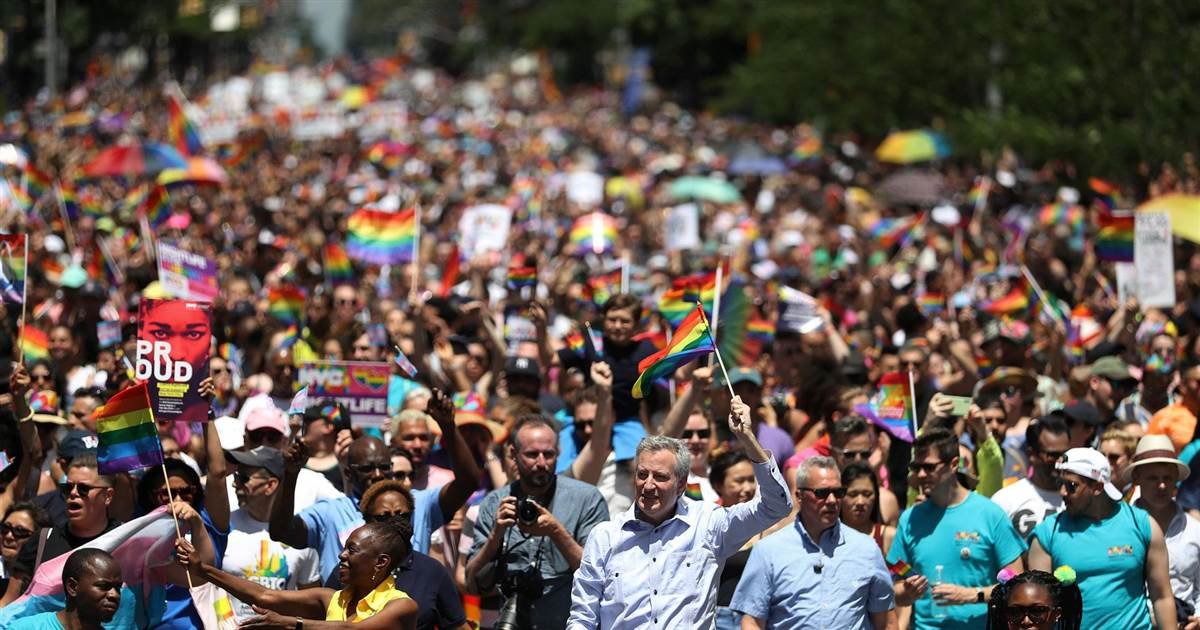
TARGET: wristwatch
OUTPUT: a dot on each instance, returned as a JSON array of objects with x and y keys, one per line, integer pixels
[
  {"x": 979, "y": 596},
  {"x": 299, "y": 624}
]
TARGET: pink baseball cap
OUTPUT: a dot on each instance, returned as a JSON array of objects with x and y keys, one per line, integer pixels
[{"x": 265, "y": 417}]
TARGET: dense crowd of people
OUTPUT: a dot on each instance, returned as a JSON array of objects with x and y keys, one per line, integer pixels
[{"x": 1044, "y": 476}]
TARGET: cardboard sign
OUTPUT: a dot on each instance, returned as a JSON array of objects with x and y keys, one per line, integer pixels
[
  {"x": 186, "y": 275},
  {"x": 361, "y": 386},
  {"x": 682, "y": 227},
  {"x": 174, "y": 338},
  {"x": 1154, "y": 258}
]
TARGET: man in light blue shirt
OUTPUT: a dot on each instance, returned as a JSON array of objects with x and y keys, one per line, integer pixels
[
  {"x": 657, "y": 565},
  {"x": 818, "y": 573}
]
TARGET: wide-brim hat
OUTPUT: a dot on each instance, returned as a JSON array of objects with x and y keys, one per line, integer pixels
[{"x": 1155, "y": 449}]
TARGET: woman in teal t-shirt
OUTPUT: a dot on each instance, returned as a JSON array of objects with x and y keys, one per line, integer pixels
[{"x": 1117, "y": 551}]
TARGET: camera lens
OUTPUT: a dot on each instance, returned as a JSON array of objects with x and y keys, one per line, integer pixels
[{"x": 527, "y": 511}]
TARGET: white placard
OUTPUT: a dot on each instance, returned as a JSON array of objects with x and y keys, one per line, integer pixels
[
  {"x": 682, "y": 227},
  {"x": 484, "y": 228},
  {"x": 585, "y": 188},
  {"x": 1126, "y": 281},
  {"x": 381, "y": 118},
  {"x": 327, "y": 120},
  {"x": 1153, "y": 255},
  {"x": 797, "y": 312}
]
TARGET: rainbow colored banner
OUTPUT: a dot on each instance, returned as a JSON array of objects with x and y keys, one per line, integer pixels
[
  {"x": 691, "y": 340},
  {"x": 186, "y": 275},
  {"x": 382, "y": 238},
  {"x": 361, "y": 386},
  {"x": 13, "y": 258},
  {"x": 891, "y": 409}
]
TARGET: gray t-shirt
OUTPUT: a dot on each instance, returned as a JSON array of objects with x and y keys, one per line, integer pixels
[{"x": 578, "y": 507}]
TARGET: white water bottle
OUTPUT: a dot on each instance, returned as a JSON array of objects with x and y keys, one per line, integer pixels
[{"x": 939, "y": 609}]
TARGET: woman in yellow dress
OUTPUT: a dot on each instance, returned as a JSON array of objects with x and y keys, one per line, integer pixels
[{"x": 370, "y": 599}]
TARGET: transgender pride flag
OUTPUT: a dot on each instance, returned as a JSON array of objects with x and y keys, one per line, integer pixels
[{"x": 140, "y": 546}]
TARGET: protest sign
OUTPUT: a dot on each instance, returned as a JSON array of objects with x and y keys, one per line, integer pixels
[
  {"x": 186, "y": 275},
  {"x": 483, "y": 229},
  {"x": 1153, "y": 257},
  {"x": 585, "y": 188},
  {"x": 380, "y": 119},
  {"x": 361, "y": 386},
  {"x": 1126, "y": 281},
  {"x": 108, "y": 333},
  {"x": 797, "y": 312},
  {"x": 682, "y": 227},
  {"x": 327, "y": 120},
  {"x": 174, "y": 338}
]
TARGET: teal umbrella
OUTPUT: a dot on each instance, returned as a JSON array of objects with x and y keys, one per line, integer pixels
[{"x": 704, "y": 188}]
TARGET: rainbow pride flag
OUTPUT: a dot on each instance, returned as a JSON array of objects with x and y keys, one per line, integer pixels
[
  {"x": 13, "y": 257},
  {"x": 70, "y": 200},
  {"x": 808, "y": 148},
  {"x": 140, "y": 547},
  {"x": 691, "y": 340},
  {"x": 889, "y": 231},
  {"x": 37, "y": 182},
  {"x": 382, "y": 238},
  {"x": 521, "y": 276},
  {"x": 694, "y": 492},
  {"x": 1114, "y": 242},
  {"x": 180, "y": 131},
  {"x": 1018, "y": 298},
  {"x": 678, "y": 301},
  {"x": 35, "y": 344},
  {"x": 128, "y": 437},
  {"x": 1062, "y": 214},
  {"x": 931, "y": 303},
  {"x": 290, "y": 336},
  {"x": 899, "y": 568},
  {"x": 594, "y": 232},
  {"x": 155, "y": 206},
  {"x": 337, "y": 264},
  {"x": 891, "y": 409},
  {"x": 286, "y": 303},
  {"x": 575, "y": 343},
  {"x": 732, "y": 332},
  {"x": 604, "y": 286},
  {"x": 978, "y": 194},
  {"x": 1106, "y": 194}
]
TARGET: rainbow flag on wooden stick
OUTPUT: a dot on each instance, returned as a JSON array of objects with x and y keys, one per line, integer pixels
[
  {"x": 128, "y": 437},
  {"x": 691, "y": 340}
]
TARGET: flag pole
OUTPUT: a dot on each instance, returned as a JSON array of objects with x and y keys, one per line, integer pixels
[
  {"x": 716, "y": 350},
  {"x": 166, "y": 478},
  {"x": 416, "y": 254},
  {"x": 716, "y": 304},
  {"x": 24, "y": 301},
  {"x": 912, "y": 397},
  {"x": 625, "y": 261}
]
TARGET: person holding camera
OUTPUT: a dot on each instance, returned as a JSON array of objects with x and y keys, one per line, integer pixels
[
  {"x": 658, "y": 564},
  {"x": 530, "y": 533}
]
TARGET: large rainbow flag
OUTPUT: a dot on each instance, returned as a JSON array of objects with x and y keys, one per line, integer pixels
[
  {"x": 891, "y": 409},
  {"x": 180, "y": 130},
  {"x": 128, "y": 437},
  {"x": 140, "y": 546},
  {"x": 691, "y": 340},
  {"x": 382, "y": 238}
]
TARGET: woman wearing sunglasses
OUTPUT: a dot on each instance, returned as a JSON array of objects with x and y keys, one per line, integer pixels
[
  {"x": 424, "y": 579},
  {"x": 21, "y": 521},
  {"x": 1036, "y": 600}
]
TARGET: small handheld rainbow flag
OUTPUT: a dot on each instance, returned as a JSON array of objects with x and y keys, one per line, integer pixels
[
  {"x": 521, "y": 276},
  {"x": 691, "y": 340},
  {"x": 337, "y": 265},
  {"x": 1108, "y": 195},
  {"x": 35, "y": 344},
  {"x": 180, "y": 131},
  {"x": 694, "y": 491},
  {"x": 382, "y": 238},
  {"x": 1018, "y": 298},
  {"x": 1114, "y": 243},
  {"x": 155, "y": 206},
  {"x": 37, "y": 182},
  {"x": 931, "y": 303},
  {"x": 286, "y": 303},
  {"x": 13, "y": 257},
  {"x": 128, "y": 437},
  {"x": 595, "y": 232},
  {"x": 889, "y": 231},
  {"x": 891, "y": 408},
  {"x": 678, "y": 301},
  {"x": 70, "y": 201},
  {"x": 604, "y": 286},
  {"x": 575, "y": 343}
]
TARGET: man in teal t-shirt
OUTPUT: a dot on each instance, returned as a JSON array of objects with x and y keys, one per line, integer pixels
[
  {"x": 1117, "y": 551},
  {"x": 955, "y": 542},
  {"x": 91, "y": 581}
]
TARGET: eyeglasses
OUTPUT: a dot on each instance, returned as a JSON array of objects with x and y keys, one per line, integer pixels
[
  {"x": 703, "y": 434},
  {"x": 926, "y": 467},
  {"x": 186, "y": 494},
  {"x": 1113, "y": 458},
  {"x": 911, "y": 364},
  {"x": 1071, "y": 486},
  {"x": 1036, "y": 614},
  {"x": 40, "y": 377},
  {"x": 863, "y": 455},
  {"x": 1053, "y": 455},
  {"x": 386, "y": 517},
  {"x": 404, "y": 475},
  {"x": 264, "y": 435},
  {"x": 366, "y": 469},
  {"x": 219, "y": 370},
  {"x": 823, "y": 493},
  {"x": 243, "y": 478},
  {"x": 14, "y": 531},
  {"x": 81, "y": 488}
]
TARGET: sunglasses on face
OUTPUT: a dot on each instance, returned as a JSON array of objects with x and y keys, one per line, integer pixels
[
  {"x": 703, "y": 434},
  {"x": 1071, "y": 486},
  {"x": 853, "y": 455},
  {"x": 386, "y": 517},
  {"x": 14, "y": 531},
  {"x": 186, "y": 493},
  {"x": 366, "y": 469},
  {"x": 927, "y": 468},
  {"x": 1036, "y": 614},
  {"x": 218, "y": 370},
  {"x": 39, "y": 377},
  {"x": 265, "y": 435},
  {"x": 1113, "y": 458},
  {"x": 582, "y": 424},
  {"x": 242, "y": 478},
  {"x": 824, "y": 493},
  {"x": 404, "y": 475},
  {"x": 83, "y": 489}
]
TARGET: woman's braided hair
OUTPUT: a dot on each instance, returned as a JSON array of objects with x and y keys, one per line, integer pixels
[{"x": 1063, "y": 593}]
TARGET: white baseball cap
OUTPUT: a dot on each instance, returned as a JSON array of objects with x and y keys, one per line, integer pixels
[{"x": 1090, "y": 463}]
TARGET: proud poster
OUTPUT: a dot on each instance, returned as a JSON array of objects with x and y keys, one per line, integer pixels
[{"x": 173, "y": 345}]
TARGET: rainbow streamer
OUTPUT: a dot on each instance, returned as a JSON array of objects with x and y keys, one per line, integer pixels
[
  {"x": 382, "y": 238},
  {"x": 337, "y": 265},
  {"x": 286, "y": 303},
  {"x": 691, "y": 340}
]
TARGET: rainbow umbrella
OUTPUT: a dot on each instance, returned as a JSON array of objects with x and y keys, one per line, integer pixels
[
  {"x": 908, "y": 147},
  {"x": 134, "y": 159},
  {"x": 200, "y": 170},
  {"x": 1184, "y": 211}
]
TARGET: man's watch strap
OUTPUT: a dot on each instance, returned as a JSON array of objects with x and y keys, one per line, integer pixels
[
  {"x": 979, "y": 596},
  {"x": 299, "y": 624}
]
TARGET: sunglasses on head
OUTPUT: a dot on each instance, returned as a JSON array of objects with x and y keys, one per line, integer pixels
[
  {"x": 824, "y": 493},
  {"x": 703, "y": 434}
]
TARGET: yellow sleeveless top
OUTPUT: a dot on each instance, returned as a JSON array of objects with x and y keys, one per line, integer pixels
[{"x": 368, "y": 606}]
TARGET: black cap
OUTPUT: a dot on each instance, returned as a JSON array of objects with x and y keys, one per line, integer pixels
[
  {"x": 1083, "y": 412},
  {"x": 265, "y": 457},
  {"x": 522, "y": 366},
  {"x": 76, "y": 443}
]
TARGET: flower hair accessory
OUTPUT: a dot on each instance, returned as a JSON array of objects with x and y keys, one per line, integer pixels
[
  {"x": 1065, "y": 574},
  {"x": 1005, "y": 575}
]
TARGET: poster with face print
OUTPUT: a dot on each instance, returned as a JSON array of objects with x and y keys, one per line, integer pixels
[{"x": 173, "y": 347}]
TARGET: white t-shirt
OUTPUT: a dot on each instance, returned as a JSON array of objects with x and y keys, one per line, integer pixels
[
  {"x": 706, "y": 490},
  {"x": 616, "y": 484},
  {"x": 1027, "y": 505},
  {"x": 311, "y": 486},
  {"x": 251, "y": 554}
]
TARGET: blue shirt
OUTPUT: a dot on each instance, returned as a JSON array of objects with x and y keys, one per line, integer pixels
[
  {"x": 971, "y": 541},
  {"x": 1109, "y": 558},
  {"x": 331, "y": 521},
  {"x": 41, "y": 621},
  {"x": 637, "y": 575},
  {"x": 782, "y": 585}
]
